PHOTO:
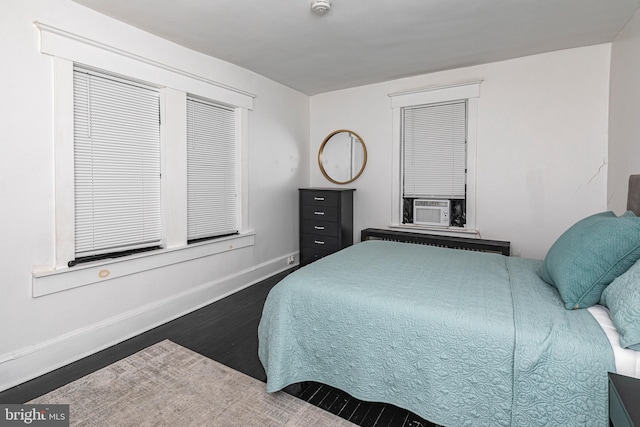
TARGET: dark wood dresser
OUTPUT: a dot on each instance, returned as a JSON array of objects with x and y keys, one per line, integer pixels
[{"x": 326, "y": 222}]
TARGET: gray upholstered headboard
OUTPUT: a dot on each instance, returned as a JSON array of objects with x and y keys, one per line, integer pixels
[{"x": 633, "y": 198}]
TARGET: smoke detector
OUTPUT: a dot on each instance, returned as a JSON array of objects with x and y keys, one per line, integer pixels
[{"x": 320, "y": 7}]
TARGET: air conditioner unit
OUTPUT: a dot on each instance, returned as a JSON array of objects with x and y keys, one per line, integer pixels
[{"x": 431, "y": 212}]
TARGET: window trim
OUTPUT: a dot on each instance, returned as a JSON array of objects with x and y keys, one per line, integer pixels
[
  {"x": 469, "y": 91},
  {"x": 59, "y": 43},
  {"x": 66, "y": 48},
  {"x": 53, "y": 281}
]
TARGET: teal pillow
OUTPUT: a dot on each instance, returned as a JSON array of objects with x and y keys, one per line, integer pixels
[
  {"x": 622, "y": 297},
  {"x": 590, "y": 255}
]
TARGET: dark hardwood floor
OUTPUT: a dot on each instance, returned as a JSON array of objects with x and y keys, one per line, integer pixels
[{"x": 225, "y": 331}]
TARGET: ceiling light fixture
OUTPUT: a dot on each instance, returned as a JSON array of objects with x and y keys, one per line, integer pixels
[{"x": 320, "y": 7}]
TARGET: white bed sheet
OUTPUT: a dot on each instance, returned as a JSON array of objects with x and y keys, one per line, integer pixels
[{"x": 627, "y": 361}]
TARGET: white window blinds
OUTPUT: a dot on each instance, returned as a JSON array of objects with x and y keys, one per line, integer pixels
[
  {"x": 211, "y": 170},
  {"x": 116, "y": 164},
  {"x": 434, "y": 149}
]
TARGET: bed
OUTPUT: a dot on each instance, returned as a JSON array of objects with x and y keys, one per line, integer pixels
[{"x": 463, "y": 337}]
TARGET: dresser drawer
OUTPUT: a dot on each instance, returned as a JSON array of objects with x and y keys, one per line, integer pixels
[
  {"x": 320, "y": 198},
  {"x": 312, "y": 254},
  {"x": 322, "y": 228},
  {"x": 326, "y": 243},
  {"x": 320, "y": 213}
]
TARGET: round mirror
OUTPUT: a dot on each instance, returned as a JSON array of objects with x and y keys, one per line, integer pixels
[{"x": 342, "y": 156}]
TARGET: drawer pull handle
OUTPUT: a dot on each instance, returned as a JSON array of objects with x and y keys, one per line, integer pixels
[
  {"x": 318, "y": 242},
  {"x": 318, "y": 227},
  {"x": 320, "y": 199},
  {"x": 318, "y": 213}
]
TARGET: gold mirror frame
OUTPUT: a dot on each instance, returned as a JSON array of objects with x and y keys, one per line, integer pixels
[{"x": 321, "y": 162}]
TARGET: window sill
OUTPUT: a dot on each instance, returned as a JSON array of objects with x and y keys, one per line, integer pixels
[
  {"x": 49, "y": 282},
  {"x": 443, "y": 231}
]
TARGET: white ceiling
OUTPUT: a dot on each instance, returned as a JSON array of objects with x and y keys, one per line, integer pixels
[{"x": 360, "y": 42}]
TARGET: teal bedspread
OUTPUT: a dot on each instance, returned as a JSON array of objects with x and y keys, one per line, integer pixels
[{"x": 460, "y": 338}]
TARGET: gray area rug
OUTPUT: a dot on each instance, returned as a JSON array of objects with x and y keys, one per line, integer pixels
[{"x": 169, "y": 385}]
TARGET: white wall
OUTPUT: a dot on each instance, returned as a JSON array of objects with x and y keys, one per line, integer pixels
[
  {"x": 541, "y": 143},
  {"x": 624, "y": 114},
  {"x": 39, "y": 334}
]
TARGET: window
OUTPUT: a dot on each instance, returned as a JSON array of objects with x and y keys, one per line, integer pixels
[
  {"x": 165, "y": 222},
  {"x": 434, "y": 157},
  {"x": 116, "y": 165},
  {"x": 434, "y": 160},
  {"x": 211, "y": 170}
]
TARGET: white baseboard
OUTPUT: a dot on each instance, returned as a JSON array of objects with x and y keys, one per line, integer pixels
[{"x": 30, "y": 362}]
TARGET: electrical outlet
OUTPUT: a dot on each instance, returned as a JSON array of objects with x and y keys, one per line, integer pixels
[{"x": 291, "y": 259}]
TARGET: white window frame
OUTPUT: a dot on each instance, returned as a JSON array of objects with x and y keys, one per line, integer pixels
[
  {"x": 469, "y": 91},
  {"x": 66, "y": 49}
]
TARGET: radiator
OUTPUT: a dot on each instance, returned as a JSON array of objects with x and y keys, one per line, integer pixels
[{"x": 467, "y": 244}]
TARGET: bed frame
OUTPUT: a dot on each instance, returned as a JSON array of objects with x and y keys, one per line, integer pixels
[{"x": 480, "y": 245}]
